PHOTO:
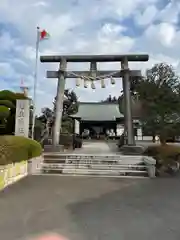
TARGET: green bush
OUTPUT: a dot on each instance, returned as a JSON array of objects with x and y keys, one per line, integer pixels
[
  {"x": 11, "y": 96},
  {"x": 7, "y": 104},
  {"x": 66, "y": 140},
  {"x": 166, "y": 156},
  {"x": 163, "y": 151},
  {"x": 8, "y": 95},
  {"x": 4, "y": 112},
  {"x": 15, "y": 149}
]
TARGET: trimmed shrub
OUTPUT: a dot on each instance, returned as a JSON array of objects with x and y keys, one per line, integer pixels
[
  {"x": 8, "y": 95},
  {"x": 4, "y": 112},
  {"x": 11, "y": 96},
  {"x": 7, "y": 104},
  {"x": 34, "y": 149},
  {"x": 16, "y": 149},
  {"x": 164, "y": 151},
  {"x": 166, "y": 156},
  {"x": 66, "y": 140}
]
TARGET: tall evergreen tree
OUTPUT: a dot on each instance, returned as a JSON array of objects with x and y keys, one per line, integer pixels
[{"x": 159, "y": 97}]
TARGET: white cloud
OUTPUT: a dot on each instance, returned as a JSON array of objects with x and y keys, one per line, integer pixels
[
  {"x": 19, "y": 62},
  {"x": 58, "y": 25},
  {"x": 163, "y": 33},
  {"x": 7, "y": 70},
  {"x": 170, "y": 13},
  {"x": 119, "y": 46},
  {"x": 81, "y": 44},
  {"x": 40, "y": 4},
  {"x": 6, "y": 41},
  {"x": 29, "y": 53},
  {"x": 167, "y": 34},
  {"x": 147, "y": 16},
  {"x": 112, "y": 30},
  {"x": 128, "y": 7},
  {"x": 84, "y": 27}
]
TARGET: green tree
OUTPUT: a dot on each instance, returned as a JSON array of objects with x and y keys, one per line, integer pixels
[
  {"x": 136, "y": 104},
  {"x": 158, "y": 95},
  {"x": 70, "y": 103},
  {"x": 70, "y": 107}
]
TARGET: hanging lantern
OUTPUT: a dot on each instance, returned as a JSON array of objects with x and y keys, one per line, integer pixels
[
  {"x": 78, "y": 82},
  {"x": 102, "y": 83},
  {"x": 112, "y": 80},
  {"x": 85, "y": 83},
  {"x": 93, "y": 85}
]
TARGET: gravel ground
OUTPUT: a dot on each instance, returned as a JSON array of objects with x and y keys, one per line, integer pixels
[{"x": 87, "y": 208}]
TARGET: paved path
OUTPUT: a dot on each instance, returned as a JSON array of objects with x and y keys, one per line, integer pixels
[
  {"x": 95, "y": 147},
  {"x": 105, "y": 147},
  {"x": 91, "y": 208}
]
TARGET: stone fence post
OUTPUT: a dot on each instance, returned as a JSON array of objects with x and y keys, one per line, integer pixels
[
  {"x": 150, "y": 163},
  {"x": 34, "y": 165}
]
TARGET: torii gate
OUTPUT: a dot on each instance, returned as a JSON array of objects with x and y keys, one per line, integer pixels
[{"x": 124, "y": 72}]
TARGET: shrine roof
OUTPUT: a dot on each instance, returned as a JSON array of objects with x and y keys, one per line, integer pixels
[{"x": 97, "y": 111}]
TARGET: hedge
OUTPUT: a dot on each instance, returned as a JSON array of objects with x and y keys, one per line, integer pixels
[
  {"x": 16, "y": 149},
  {"x": 7, "y": 104},
  {"x": 166, "y": 156},
  {"x": 164, "y": 151},
  {"x": 4, "y": 112}
]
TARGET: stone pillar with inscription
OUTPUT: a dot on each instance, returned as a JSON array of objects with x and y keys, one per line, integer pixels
[{"x": 22, "y": 118}]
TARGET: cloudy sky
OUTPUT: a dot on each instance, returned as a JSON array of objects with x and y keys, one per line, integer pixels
[{"x": 84, "y": 27}]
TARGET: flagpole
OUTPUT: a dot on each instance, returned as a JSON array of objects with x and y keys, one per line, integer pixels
[{"x": 35, "y": 82}]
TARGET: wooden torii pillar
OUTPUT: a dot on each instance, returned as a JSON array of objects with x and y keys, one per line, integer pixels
[{"x": 125, "y": 73}]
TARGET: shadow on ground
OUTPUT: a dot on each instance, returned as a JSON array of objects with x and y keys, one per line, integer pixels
[
  {"x": 91, "y": 208},
  {"x": 149, "y": 210}
]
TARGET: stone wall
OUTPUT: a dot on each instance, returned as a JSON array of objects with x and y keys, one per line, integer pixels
[{"x": 12, "y": 173}]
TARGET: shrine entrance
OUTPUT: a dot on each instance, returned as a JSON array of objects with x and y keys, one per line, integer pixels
[
  {"x": 97, "y": 130},
  {"x": 91, "y": 76},
  {"x": 99, "y": 120}
]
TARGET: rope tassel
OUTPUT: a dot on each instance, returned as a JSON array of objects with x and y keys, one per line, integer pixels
[
  {"x": 103, "y": 83},
  {"x": 85, "y": 83},
  {"x": 93, "y": 85},
  {"x": 78, "y": 82},
  {"x": 112, "y": 80}
]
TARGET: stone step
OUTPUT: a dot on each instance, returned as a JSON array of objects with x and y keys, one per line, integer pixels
[
  {"x": 91, "y": 166},
  {"x": 60, "y": 158},
  {"x": 116, "y": 169},
  {"x": 93, "y": 158},
  {"x": 91, "y": 175},
  {"x": 98, "y": 172},
  {"x": 89, "y": 156},
  {"x": 109, "y": 162},
  {"x": 94, "y": 164}
]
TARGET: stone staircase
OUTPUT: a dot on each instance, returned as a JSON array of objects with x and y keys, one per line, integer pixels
[{"x": 109, "y": 165}]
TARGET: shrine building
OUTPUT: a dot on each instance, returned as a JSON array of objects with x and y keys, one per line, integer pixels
[{"x": 100, "y": 117}]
